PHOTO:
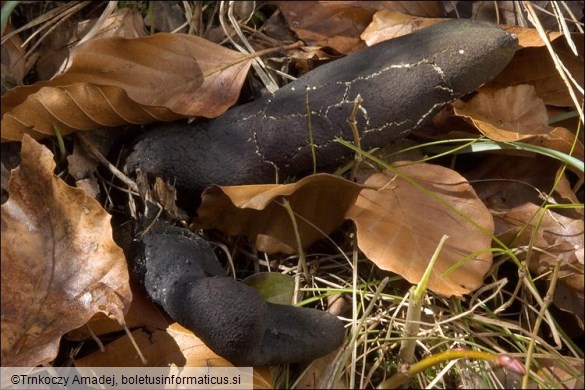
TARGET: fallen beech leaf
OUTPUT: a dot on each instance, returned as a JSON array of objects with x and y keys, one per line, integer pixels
[
  {"x": 161, "y": 347},
  {"x": 338, "y": 24},
  {"x": 319, "y": 202},
  {"x": 60, "y": 265},
  {"x": 14, "y": 67},
  {"x": 123, "y": 22},
  {"x": 399, "y": 227},
  {"x": 509, "y": 114},
  {"x": 142, "y": 312},
  {"x": 562, "y": 373},
  {"x": 515, "y": 196},
  {"x": 55, "y": 50},
  {"x": 559, "y": 238},
  {"x": 529, "y": 37},
  {"x": 544, "y": 77},
  {"x": 114, "y": 81},
  {"x": 167, "y": 17},
  {"x": 174, "y": 345},
  {"x": 388, "y": 24},
  {"x": 320, "y": 372},
  {"x": 562, "y": 140}
]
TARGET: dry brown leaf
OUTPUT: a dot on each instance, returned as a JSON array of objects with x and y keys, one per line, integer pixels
[
  {"x": 565, "y": 373},
  {"x": 399, "y": 227},
  {"x": 387, "y": 24},
  {"x": 123, "y": 22},
  {"x": 320, "y": 371},
  {"x": 168, "y": 17},
  {"x": 509, "y": 114},
  {"x": 14, "y": 65},
  {"x": 161, "y": 348},
  {"x": 114, "y": 81},
  {"x": 488, "y": 113},
  {"x": 256, "y": 211},
  {"x": 558, "y": 238},
  {"x": 60, "y": 265},
  {"x": 174, "y": 345},
  {"x": 529, "y": 37},
  {"x": 305, "y": 58},
  {"x": 338, "y": 24},
  {"x": 533, "y": 65},
  {"x": 142, "y": 312},
  {"x": 514, "y": 188},
  {"x": 55, "y": 49},
  {"x": 560, "y": 139}
]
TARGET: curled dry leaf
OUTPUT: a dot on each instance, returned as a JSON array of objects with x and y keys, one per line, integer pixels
[
  {"x": 143, "y": 312},
  {"x": 256, "y": 211},
  {"x": 533, "y": 65},
  {"x": 14, "y": 64},
  {"x": 55, "y": 50},
  {"x": 173, "y": 346},
  {"x": 396, "y": 222},
  {"x": 509, "y": 114},
  {"x": 565, "y": 373},
  {"x": 115, "y": 81},
  {"x": 322, "y": 371},
  {"x": 399, "y": 225},
  {"x": 562, "y": 140},
  {"x": 338, "y": 24},
  {"x": 388, "y": 24},
  {"x": 60, "y": 265},
  {"x": 529, "y": 37},
  {"x": 515, "y": 196},
  {"x": 557, "y": 238}
]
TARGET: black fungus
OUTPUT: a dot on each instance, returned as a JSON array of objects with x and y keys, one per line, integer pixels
[
  {"x": 180, "y": 272},
  {"x": 403, "y": 82}
]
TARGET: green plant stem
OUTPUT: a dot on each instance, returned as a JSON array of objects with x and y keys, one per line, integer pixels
[
  {"x": 7, "y": 9},
  {"x": 356, "y": 135},
  {"x": 543, "y": 311},
  {"x": 310, "y": 126},
  {"x": 348, "y": 350},
  {"x": 60, "y": 142},
  {"x": 412, "y": 325},
  {"x": 354, "y": 307},
  {"x": 293, "y": 220},
  {"x": 487, "y": 145},
  {"x": 151, "y": 17}
]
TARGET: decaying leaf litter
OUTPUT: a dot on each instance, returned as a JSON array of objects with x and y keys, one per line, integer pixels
[{"x": 553, "y": 206}]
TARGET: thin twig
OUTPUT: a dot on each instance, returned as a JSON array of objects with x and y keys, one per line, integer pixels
[
  {"x": 418, "y": 293},
  {"x": 87, "y": 145},
  {"x": 541, "y": 315},
  {"x": 356, "y": 134},
  {"x": 302, "y": 259},
  {"x": 554, "y": 56},
  {"x": 310, "y": 126}
]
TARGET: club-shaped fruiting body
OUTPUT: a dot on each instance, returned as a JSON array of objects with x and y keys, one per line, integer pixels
[
  {"x": 403, "y": 82},
  {"x": 180, "y": 272}
]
